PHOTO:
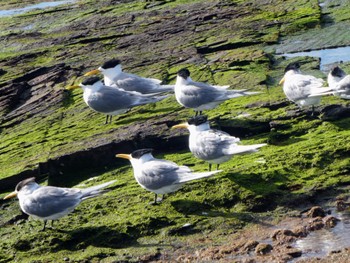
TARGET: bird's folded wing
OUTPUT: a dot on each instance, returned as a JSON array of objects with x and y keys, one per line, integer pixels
[{"x": 48, "y": 200}]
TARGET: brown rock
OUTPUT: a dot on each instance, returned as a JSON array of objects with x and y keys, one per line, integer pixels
[
  {"x": 315, "y": 224},
  {"x": 330, "y": 221},
  {"x": 300, "y": 231},
  {"x": 316, "y": 211},
  {"x": 263, "y": 249},
  {"x": 250, "y": 245},
  {"x": 283, "y": 236}
]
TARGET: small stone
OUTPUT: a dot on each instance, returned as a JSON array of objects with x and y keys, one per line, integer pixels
[
  {"x": 66, "y": 259},
  {"x": 263, "y": 249},
  {"x": 250, "y": 245},
  {"x": 315, "y": 224},
  {"x": 330, "y": 221},
  {"x": 300, "y": 231},
  {"x": 316, "y": 211},
  {"x": 294, "y": 253}
]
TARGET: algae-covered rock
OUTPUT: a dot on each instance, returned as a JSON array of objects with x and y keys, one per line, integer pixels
[{"x": 50, "y": 133}]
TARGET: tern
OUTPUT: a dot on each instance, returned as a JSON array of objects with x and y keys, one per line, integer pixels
[
  {"x": 160, "y": 176},
  {"x": 303, "y": 90},
  {"x": 115, "y": 77},
  {"x": 211, "y": 145},
  {"x": 201, "y": 96},
  {"x": 50, "y": 202},
  {"x": 340, "y": 82},
  {"x": 109, "y": 100}
]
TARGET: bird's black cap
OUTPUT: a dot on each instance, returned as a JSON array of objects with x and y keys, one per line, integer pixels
[
  {"x": 197, "y": 120},
  {"x": 292, "y": 66},
  {"x": 185, "y": 73},
  {"x": 90, "y": 81},
  {"x": 139, "y": 153},
  {"x": 21, "y": 184},
  {"x": 337, "y": 72},
  {"x": 110, "y": 63}
]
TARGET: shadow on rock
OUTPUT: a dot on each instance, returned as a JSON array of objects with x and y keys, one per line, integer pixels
[{"x": 91, "y": 236}]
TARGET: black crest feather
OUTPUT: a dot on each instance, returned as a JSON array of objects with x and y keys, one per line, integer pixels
[
  {"x": 197, "y": 120},
  {"x": 185, "y": 73},
  {"x": 337, "y": 72},
  {"x": 90, "y": 81},
  {"x": 21, "y": 184},
  {"x": 292, "y": 66},
  {"x": 110, "y": 63},
  {"x": 139, "y": 153}
]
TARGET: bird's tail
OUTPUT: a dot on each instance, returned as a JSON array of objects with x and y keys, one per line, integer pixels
[
  {"x": 95, "y": 190},
  {"x": 194, "y": 176},
  {"x": 165, "y": 88},
  {"x": 241, "y": 149},
  {"x": 239, "y": 93}
]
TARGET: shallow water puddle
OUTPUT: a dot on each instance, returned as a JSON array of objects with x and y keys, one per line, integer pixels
[
  {"x": 42, "y": 5},
  {"x": 327, "y": 56},
  {"x": 321, "y": 242}
]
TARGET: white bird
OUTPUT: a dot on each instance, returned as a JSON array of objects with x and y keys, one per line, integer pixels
[
  {"x": 50, "y": 202},
  {"x": 211, "y": 145},
  {"x": 340, "y": 82},
  {"x": 304, "y": 90},
  {"x": 160, "y": 176},
  {"x": 115, "y": 77},
  {"x": 201, "y": 96},
  {"x": 111, "y": 101}
]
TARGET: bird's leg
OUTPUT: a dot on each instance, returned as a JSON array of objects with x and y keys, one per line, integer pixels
[
  {"x": 196, "y": 113},
  {"x": 155, "y": 200},
  {"x": 200, "y": 112},
  {"x": 209, "y": 167},
  {"x": 52, "y": 221},
  {"x": 106, "y": 122},
  {"x": 43, "y": 229},
  {"x": 217, "y": 166}
]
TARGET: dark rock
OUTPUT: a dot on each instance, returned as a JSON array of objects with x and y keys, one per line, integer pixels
[
  {"x": 263, "y": 249},
  {"x": 335, "y": 112},
  {"x": 316, "y": 211},
  {"x": 342, "y": 205},
  {"x": 294, "y": 253}
]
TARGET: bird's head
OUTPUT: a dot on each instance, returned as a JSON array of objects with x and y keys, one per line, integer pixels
[
  {"x": 138, "y": 156},
  {"x": 294, "y": 66},
  {"x": 109, "y": 68},
  {"x": 89, "y": 82},
  {"x": 27, "y": 185},
  {"x": 196, "y": 123},
  {"x": 337, "y": 72}
]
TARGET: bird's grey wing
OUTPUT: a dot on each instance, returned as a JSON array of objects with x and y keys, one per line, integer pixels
[
  {"x": 132, "y": 82},
  {"x": 48, "y": 200},
  {"x": 301, "y": 86},
  {"x": 213, "y": 143},
  {"x": 198, "y": 93},
  {"x": 109, "y": 99},
  {"x": 159, "y": 173}
]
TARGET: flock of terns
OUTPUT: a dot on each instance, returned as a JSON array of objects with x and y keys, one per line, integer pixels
[{"x": 121, "y": 91}]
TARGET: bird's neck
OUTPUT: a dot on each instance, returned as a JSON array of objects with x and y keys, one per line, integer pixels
[
  {"x": 181, "y": 81},
  {"x": 199, "y": 128},
  {"x": 28, "y": 189}
]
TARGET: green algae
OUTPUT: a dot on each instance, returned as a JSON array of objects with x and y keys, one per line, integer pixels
[{"x": 303, "y": 155}]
